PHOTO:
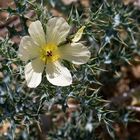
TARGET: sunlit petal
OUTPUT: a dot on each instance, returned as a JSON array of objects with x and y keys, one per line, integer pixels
[
  {"x": 76, "y": 53},
  {"x": 33, "y": 73},
  {"x": 27, "y": 49},
  {"x": 57, "y": 30},
  {"x": 37, "y": 33},
  {"x": 58, "y": 75}
]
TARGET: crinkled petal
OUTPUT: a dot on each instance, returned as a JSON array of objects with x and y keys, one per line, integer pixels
[
  {"x": 28, "y": 49},
  {"x": 37, "y": 33},
  {"x": 33, "y": 72},
  {"x": 57, "y": 74},
  {"x": 76, "y": 53},
  {"x": 57, "y": 30}
]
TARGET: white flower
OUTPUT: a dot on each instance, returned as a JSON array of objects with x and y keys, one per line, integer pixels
[{"x": 44, "y": 53}]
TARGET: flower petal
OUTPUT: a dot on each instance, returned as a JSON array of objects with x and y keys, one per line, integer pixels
[
  {"x": 33, "y": 72},
  {"x": 57, "y": 30},
  {"x": 78, "y": 35},
  {"x": 37, "y": 33},
  {"x": 27, "y": 49},
  {"x": 76, "y": 53},
  {"x": 57, "y": 74}
]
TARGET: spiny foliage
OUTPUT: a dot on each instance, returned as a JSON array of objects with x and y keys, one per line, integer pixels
[{"x": 112, "y": 35}]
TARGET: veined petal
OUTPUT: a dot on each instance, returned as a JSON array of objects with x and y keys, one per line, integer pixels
[
  {"x": 57, "y": 74},
  {"x": 27, "y": 49},
  {"x": 33, "y": 72},
  {"x": 57, "y": 30},
  {"x": 76, "y": 53},
  {"x": 37, "y": 33}
]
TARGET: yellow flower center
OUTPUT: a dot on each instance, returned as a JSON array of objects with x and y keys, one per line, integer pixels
[{"x": 49, "y": 53}]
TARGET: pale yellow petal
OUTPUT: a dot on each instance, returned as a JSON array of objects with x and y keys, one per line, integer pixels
[
  {"x": 37, "y": 33},
  {"x": 58, "y": 75},
  {"x": 28, "y": 49},
  {"x": 57, "y": 30},
  {"x": 33, "y": 73},
  {"x": 78, "y": 35},
  {"x": 76, "y": 53}
]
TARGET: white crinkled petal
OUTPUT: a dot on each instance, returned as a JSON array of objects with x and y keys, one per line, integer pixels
[
  {"x": 76, "y": 53},
  {"x": 57, "y": 74},
  {"x": 37, "y": 33},
  {"x": 27, "y": 49},
  {"x": 33, "y": 72},
  {"x": 57, "y": 30}
]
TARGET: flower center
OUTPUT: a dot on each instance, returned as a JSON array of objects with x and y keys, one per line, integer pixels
[{"x": 49, "y": 53}]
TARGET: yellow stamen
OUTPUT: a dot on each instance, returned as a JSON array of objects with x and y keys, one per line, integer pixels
[{"x": 49, "y": 53}]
